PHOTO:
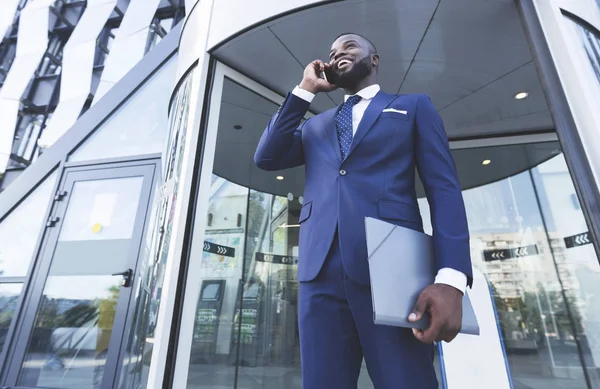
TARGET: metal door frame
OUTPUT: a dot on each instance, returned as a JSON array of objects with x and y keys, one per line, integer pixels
[{"x": 149, "y": 168}]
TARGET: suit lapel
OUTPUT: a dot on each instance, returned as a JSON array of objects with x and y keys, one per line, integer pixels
[
  {"x": 378, "y": 104},
  {"x": 331, "y": 131}
]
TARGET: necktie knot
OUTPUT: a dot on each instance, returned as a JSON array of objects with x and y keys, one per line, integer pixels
[{"x": 353, "y": 100}]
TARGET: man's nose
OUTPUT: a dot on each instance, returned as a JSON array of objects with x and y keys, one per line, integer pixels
[{"x": 339, "y": 55}]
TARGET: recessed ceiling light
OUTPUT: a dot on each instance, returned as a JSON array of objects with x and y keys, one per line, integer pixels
[
  {"x": 521, "y": 95},
  {"x": 237, "y": 127},
  {"x": 486, "y": 162},
  {"x": 280, "y": 178}
]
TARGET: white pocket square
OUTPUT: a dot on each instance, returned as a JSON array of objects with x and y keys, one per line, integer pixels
[{"x": 395, "y": 110}]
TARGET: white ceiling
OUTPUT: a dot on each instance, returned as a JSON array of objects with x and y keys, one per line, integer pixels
[{"x": 470, "y": 56}]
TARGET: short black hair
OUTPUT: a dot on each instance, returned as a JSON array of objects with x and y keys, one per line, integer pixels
[{"x": 372, "y": 47}]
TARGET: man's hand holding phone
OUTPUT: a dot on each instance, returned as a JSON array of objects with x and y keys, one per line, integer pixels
[{"x": 312, "y": 82}]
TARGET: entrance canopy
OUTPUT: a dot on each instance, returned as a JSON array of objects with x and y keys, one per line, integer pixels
[{"x": 470, "y": 56}]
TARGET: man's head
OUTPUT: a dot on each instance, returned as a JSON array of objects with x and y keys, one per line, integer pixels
[{"x": 354, "y": 61}]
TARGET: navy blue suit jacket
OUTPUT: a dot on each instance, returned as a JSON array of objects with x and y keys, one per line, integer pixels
[{"x": 376, "y": 179}]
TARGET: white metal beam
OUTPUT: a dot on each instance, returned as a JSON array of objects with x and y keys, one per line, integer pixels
[
  {"x": 129, "y": 45},
  {"x": 7, "y": 15},
  {"x": 77, "y": 69}
]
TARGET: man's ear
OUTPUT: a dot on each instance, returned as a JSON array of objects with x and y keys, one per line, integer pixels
[{"x": 375, "y": 60}]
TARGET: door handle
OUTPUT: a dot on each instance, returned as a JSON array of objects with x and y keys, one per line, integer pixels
[{"x": 127, "y": 277}]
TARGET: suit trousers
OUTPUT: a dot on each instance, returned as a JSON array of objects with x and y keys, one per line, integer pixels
[{"x": 335, "y": 319}]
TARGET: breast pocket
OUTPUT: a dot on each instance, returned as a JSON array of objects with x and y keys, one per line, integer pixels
[{"x": 394, "y": 116}]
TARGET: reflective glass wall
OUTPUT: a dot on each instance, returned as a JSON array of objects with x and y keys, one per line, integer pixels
[
  {"x": 530, "y": 240},
  {"x": 528, "y": 237},
  {"x": 134, "y": 129},
  {"x": 19, "y": 234},
  {"x": 590, "y": 39}
]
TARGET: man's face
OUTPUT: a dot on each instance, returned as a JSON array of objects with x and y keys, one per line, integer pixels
[{"x": 351, "y": 60}]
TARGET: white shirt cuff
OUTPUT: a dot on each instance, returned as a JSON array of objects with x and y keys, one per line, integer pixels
[
  {"x": 453, "y": 278},
  {"x": 303, "y": 94}
]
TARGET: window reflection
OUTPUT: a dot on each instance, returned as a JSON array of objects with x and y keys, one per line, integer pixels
[
  {"x": 159, "y": 28},
  {"x": 524, "y": 218},
  {"x": 68, "y": 347},
  {"x": 138, "y": 339},
  {"x": 527, "y": 293},
  {"x": 104, "y": 44},
  {"x": 28, "y": 131},
  {"x": 9, "y": 298},
  {"x": 521, "y": 230},
  {"x": 52, "y": 61},
  {"x": 138, "y": 127},
  {"x": 20, "y": 230},
  {"x": 69, "y": 343},
  {"x": 591, "y": 42},
  {"x": 8, "y": 51}
]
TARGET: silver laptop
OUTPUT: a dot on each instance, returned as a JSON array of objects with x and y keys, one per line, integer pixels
[{"x": 401, "y": 264}]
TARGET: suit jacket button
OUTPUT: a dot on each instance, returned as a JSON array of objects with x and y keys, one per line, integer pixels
[{"x": 343, "y": 172}]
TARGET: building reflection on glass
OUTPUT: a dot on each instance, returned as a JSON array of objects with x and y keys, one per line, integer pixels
[
  {"x": 9, "y": 298},
  {"x": 73, "y": 328},
  {"x": 528, "y": 238},
  {"x": 544, "y": 292}
]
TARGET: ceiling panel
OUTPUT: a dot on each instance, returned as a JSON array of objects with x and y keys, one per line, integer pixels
[
  {"x": 395, "y": 27},
  {"x": 240, "y": 96},
  {"x": 259, "y": 55},
  {"x": 471, "y": 61},
  {"x": 469, "y": 44},
  {"x": 494, "y": 109},
  {"x": 538, "y": 121}
]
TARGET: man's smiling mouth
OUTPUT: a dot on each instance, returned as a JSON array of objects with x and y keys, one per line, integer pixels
[{"x": 342, "y": 63}]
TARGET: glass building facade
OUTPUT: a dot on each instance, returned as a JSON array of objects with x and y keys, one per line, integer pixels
[
  {"x": 140, "y": 247},
  {"x": 529, "y": 239}
]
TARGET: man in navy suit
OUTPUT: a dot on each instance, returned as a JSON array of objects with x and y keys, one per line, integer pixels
[{"x": 360, "y": 160}]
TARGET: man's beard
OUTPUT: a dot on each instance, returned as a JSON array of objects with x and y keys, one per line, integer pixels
[{"x": 359, "y": 71}]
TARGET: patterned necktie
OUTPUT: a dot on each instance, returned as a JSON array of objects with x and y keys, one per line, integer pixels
[{"x": 343, "y": 121}]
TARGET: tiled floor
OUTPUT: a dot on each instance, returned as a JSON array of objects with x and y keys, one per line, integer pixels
[{"x": 272, "y": 377}]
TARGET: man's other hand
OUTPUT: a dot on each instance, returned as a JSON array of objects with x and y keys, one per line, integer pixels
[
  {"x": 312, "y": 82},
  {"x": 443, "y": 303}
]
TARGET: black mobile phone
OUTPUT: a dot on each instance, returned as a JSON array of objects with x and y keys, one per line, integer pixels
[{"x": 330, "y": 76}]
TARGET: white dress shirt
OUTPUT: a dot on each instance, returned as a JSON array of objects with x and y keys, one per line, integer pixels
[{"x": 445, "y": 275}]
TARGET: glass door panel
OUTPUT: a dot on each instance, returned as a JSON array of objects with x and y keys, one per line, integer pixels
[
  {"x": 9, "y": 298},
  {"x": 72, "y": 330},
  {"x": 138, "y": 340},
  {"x": 528, "y": 241},
  {"x": 523, "y": 216},
  {"x": 78, "y": 324}
]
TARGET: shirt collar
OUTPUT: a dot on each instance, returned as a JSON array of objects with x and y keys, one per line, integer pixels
[{"x": 367, "y": 93}]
